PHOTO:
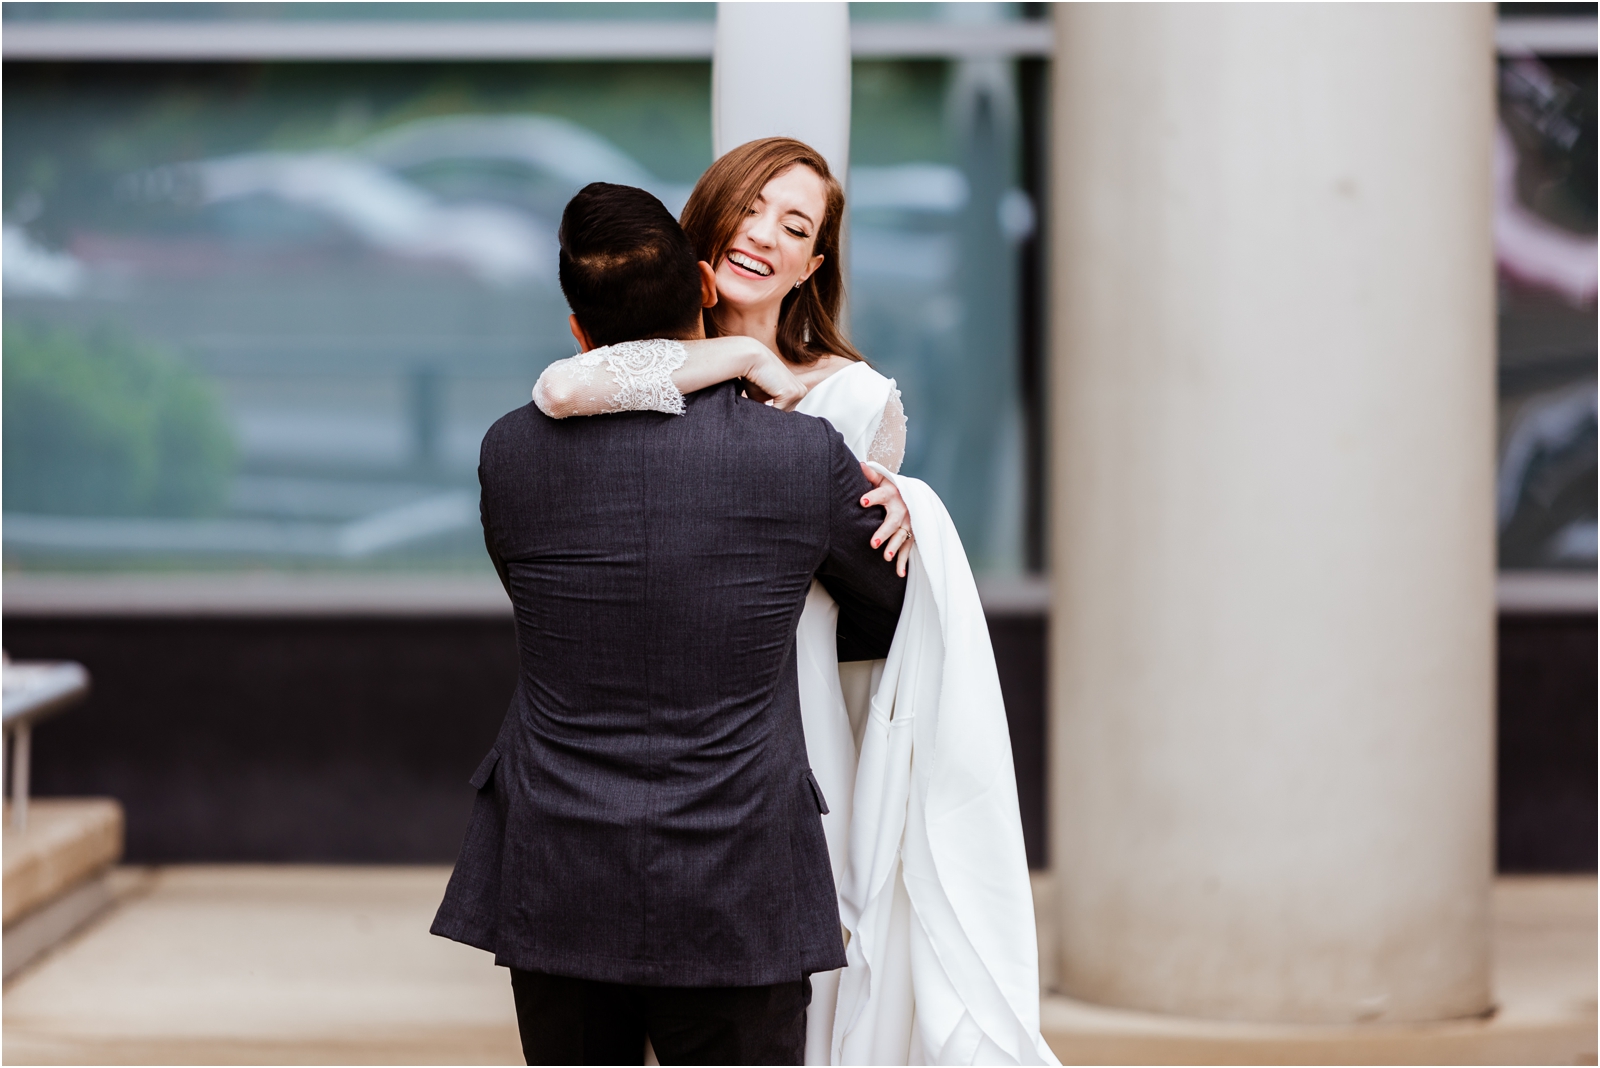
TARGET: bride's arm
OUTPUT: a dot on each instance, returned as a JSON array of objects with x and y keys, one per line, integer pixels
[
  {"x": 654, "y": 375},
  {"x": 889, "y": 443}
]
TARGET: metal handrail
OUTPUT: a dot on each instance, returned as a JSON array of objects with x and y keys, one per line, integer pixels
[{"x": 29, "y": 692}]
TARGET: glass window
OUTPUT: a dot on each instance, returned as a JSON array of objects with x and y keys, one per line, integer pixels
[
  {"x": 1544, "y": 189},
  {"x": 356, "y": 11},
  {"x": 258, "y": 315},
  {"x": 937, "y": 220}
]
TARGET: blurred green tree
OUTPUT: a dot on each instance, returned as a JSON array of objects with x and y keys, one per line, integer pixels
[{"x": 101, "y": 423}]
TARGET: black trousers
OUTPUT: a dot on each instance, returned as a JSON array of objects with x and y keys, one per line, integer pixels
[{"x": 579, "y": 1021}]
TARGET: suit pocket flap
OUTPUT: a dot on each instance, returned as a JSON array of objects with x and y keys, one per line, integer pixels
[
  {"x": 816, "y": 791},
  {"x": 480, "y": 778}
]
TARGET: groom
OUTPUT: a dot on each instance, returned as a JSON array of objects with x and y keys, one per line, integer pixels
[{"x": 646, "y": 850}]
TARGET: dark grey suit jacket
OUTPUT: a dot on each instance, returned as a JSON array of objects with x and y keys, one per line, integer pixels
[{"x": 647, "y": 814}]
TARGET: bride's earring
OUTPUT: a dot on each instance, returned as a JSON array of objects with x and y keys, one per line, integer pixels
[{"x": 800, "y": 283}]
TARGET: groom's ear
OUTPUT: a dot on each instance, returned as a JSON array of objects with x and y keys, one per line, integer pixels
[
  {"x": 580, "y": 333},
  {"x": 708, "y": 285}
]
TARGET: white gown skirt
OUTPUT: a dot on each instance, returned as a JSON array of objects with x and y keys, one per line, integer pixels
[{"x": 924, "y": 837}]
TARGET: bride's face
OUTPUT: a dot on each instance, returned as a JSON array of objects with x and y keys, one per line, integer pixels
[{"x": 772, "y": 249}]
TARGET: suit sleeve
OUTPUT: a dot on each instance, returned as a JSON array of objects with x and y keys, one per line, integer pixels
[{"x": 856, "y": 575}]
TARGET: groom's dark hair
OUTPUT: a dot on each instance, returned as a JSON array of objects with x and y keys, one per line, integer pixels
[{"x": 627, "y": 268}]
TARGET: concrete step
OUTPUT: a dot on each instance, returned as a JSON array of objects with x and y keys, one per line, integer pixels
[
  {"x": 67, "y": 840},
  {"x": 55, "y": 873}
]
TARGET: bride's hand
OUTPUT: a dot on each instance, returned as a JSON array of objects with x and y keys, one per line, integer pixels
[
  {"x": 896, "y": 526},
  {"x": 768, "y": 379}
]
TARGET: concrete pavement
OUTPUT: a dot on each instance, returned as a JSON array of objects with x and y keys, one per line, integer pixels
[
  {"x": 284, "y": 964},
  {"x": 247, "y": 964}
]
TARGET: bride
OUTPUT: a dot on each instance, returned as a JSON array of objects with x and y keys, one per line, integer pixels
[{"x": 912, "y": 752}]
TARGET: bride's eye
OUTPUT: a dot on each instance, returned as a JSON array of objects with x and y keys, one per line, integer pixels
[{"x": 795, "y": 232}]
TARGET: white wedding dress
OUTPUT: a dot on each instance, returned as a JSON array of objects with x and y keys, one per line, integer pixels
[{"x": 914, "y": 757}]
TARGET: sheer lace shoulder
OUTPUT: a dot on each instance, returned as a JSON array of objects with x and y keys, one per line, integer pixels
[
  {"x": 889, "y": 443},
  {"x": 631, "y": 376}
]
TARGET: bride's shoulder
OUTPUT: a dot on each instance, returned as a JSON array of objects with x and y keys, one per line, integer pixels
[
  {"x": 842, "y": 372},
  {"x": 824, "y": 368}
]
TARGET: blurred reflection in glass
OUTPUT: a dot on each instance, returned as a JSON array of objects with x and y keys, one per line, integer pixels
[
  {"x": 260, "y": 315},
  {"x": 936, "y": 218},
  {"x": 1544, "y": 185}
]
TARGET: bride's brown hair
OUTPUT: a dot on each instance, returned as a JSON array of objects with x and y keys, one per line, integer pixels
[{"x": 808, "y": 321}]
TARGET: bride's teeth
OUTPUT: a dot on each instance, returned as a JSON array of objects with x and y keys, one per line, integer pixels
[{"x": 751, "y": 265}]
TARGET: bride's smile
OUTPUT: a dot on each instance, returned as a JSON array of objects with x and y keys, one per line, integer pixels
[{"x": 746, "y": 262}]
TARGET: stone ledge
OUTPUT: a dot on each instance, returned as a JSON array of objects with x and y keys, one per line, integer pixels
[{"x": 68, "y": 841}]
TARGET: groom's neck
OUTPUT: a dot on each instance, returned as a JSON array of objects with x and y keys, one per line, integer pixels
[{"x": 698, "y": 333}]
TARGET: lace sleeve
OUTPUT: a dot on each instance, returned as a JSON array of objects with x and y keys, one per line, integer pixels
[
  {"x": 631, "y": 376},
  {"x": 889, "y": 443}
]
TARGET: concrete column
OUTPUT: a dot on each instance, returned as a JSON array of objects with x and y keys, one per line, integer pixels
[
  {"x": 783, "y": 69},
  {"x": 1273, "y": 560}
]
